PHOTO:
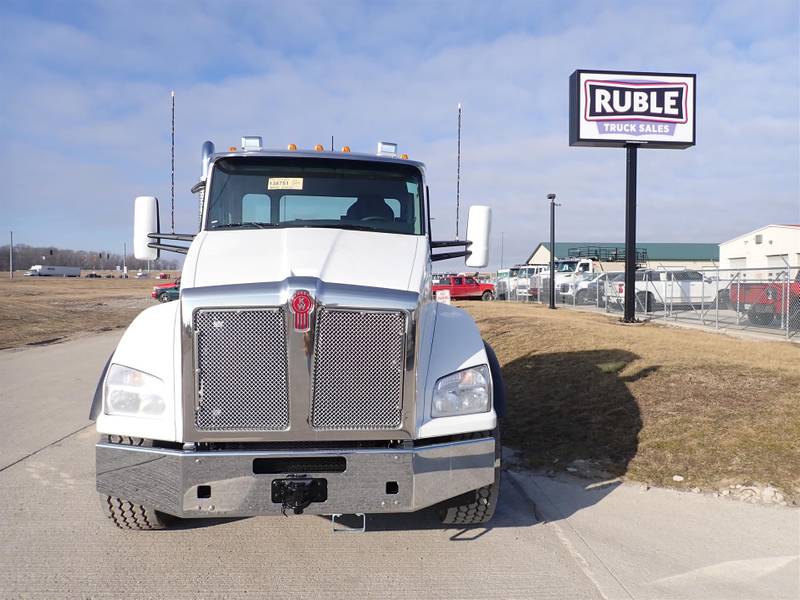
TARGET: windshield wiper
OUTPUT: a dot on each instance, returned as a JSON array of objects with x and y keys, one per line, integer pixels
[
  {"x": 257, "y": 225},
  {"x": 351, "y": 226}
]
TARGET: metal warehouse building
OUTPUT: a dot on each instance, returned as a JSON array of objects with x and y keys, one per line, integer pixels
[
  {"x": 654, "y": 255},
  {"x": 769, "y": 248}
]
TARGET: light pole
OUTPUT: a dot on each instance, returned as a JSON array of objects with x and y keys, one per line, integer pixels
[
  {"x": 11, "y": 257},
  {"x": 552, "y": 198},
  {"x": 501, "y": 249}
]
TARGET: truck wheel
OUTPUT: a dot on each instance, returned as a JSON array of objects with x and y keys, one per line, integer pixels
[
  {"x": 645, "y": 299},
  {"x": 757, "y": 318},
  {"x": 127, "y": 515},
  {"x": 163, "y": 297},
  {"x": 580, "y": 297},
  {"x": 479, "y": 505},
  {"x": 487, "y": 295}
]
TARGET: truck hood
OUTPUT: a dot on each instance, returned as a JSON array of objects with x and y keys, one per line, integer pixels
[{"x": 365, "y": 258}]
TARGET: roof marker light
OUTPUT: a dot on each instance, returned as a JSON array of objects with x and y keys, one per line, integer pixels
[
  {"x": 232, "y": 149},
  {"x": 319, "y": 148},
  {"x": 291, "y": 147},
  {"x": 345, "y": 148},
  {"x": 251, "y": 142},
  {"x": 387, "y": 149},
  {"x": 404, "y": 156}
]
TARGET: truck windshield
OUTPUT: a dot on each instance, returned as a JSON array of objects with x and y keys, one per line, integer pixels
[
  {"x": 261, "y": 192},
  {"x": 566, "y": 267}
]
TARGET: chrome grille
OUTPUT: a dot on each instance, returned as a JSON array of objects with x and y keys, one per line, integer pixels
[
  {"x": 242, "y": 381},
  {"x": 358, "y": 369}
]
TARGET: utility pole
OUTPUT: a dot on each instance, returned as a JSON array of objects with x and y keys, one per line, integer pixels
[
  {"x": 11, "y": 257},
  {"x": 501, "y": 249},
  {"x": 124, "y": 252},
  {"x": 552, "y": 198}
]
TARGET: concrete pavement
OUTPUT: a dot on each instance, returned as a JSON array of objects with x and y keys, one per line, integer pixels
[{"x": 551, "y": 538}]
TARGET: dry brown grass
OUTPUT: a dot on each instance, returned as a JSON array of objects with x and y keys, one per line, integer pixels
[
  {"x": 646, "y": 401},
  {"x": 35, "y": 310}
]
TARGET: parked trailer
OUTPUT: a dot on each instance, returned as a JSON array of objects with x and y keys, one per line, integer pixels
[
  {"x": 53, "y": 271},
  {"x": 306, "y": 366}
]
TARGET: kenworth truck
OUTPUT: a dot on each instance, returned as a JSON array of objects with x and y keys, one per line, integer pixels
[{"x": 306, "y": 366}]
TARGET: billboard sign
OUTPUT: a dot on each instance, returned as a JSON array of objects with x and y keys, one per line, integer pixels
[{"x": 615, "y": 108}]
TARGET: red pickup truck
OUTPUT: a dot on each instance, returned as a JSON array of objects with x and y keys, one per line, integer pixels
[
  {"x": 160, "y": 291},
  {"x": 463, "y": 287},
  {"x": 766, "y": 302}
]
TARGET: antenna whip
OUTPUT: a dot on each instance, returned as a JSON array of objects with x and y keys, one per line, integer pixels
[
  {"x": 173, "y": 162},
  {"x": 458, "y": 170}
]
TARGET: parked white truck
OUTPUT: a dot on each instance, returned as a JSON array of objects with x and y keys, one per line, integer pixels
[
  {"x": 568, "y": 272},
  {"x": 306, "y": 366},
  {"x": 679, "y": 288},
  {"x": 53, "y": 271}
]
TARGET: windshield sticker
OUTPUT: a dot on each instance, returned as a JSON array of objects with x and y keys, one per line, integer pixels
[{"x": 285, "y": 183}]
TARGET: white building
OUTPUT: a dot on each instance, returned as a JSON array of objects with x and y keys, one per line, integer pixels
[{"x": 768, "y": 248}]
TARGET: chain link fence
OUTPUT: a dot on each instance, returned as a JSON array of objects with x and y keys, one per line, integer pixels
[{"x": 765, "y": 300}]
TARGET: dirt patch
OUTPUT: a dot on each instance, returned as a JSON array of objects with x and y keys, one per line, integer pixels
[
  {"x": 647, "y": 402},
  {"x": 36, "y": 311}
]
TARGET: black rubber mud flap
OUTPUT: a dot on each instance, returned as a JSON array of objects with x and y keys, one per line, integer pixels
[
  {"x": 97, "y": 401},
  {"x": 499, "y": 391}
]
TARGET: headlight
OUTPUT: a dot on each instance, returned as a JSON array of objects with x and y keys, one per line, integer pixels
[
  {"x": 463, "y": 393},
  {"x": 133, "y": 393}
]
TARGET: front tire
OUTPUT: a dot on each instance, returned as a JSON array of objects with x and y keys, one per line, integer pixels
[
  {"x": 758, "y": 318},
  {"x": 163, "y": 297},
  {"x": 127, "y": 515},
  {"x": 477, "y": 506},
  {"x": 486, "y": 296}
]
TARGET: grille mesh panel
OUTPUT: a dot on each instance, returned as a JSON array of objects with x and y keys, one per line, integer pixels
[
  {"x": 358, "y": 373},
  {"x": 243, "y": 378}
]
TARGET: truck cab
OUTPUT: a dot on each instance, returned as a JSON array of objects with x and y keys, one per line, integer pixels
[{"x": 305, "y": 366}]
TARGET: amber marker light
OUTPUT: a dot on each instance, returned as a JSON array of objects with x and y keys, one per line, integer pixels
[
  {"x": 319, "y": 148},
  {"x": 345, "y": 148},
  {"x": 291, "y": 147},
  {"x": 232, "y": 149},
  {"x": 404, "y": 156}
]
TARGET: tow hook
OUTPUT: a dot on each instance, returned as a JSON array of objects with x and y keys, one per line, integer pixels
[{"x": 297, "y": 494}]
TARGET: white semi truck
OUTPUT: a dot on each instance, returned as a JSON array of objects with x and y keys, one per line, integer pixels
[
  {"x": 306, "y": 366},
  {"x": 53, "y": 271}
]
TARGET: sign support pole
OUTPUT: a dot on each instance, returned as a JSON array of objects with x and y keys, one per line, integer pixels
[{"x": 630, "y": 234}]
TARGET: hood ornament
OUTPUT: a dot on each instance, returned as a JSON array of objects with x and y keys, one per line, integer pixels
[{"x": 302, "y": 305}]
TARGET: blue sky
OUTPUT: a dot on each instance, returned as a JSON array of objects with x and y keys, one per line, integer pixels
[{"x": 84, "y": 107}]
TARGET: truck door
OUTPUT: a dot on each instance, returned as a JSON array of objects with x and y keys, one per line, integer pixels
[
  {"x": 471, "y": 288},
  {"x": 457, "y": 287}
]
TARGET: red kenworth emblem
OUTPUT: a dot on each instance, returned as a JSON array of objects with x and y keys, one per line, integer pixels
[{"x": 301, "y": 305}]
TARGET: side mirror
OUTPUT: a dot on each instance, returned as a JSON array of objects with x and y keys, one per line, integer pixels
[
  {"x": 479, "y": 226},
  {"x": 145, "y": 222}
]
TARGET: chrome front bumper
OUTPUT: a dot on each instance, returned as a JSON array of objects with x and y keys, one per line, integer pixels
[{"x": 168, "y": 480}]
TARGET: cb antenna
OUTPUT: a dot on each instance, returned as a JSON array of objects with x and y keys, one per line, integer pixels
[
  {"x": 173, "y": 163},
  {"x": 458, "y": 170}
]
